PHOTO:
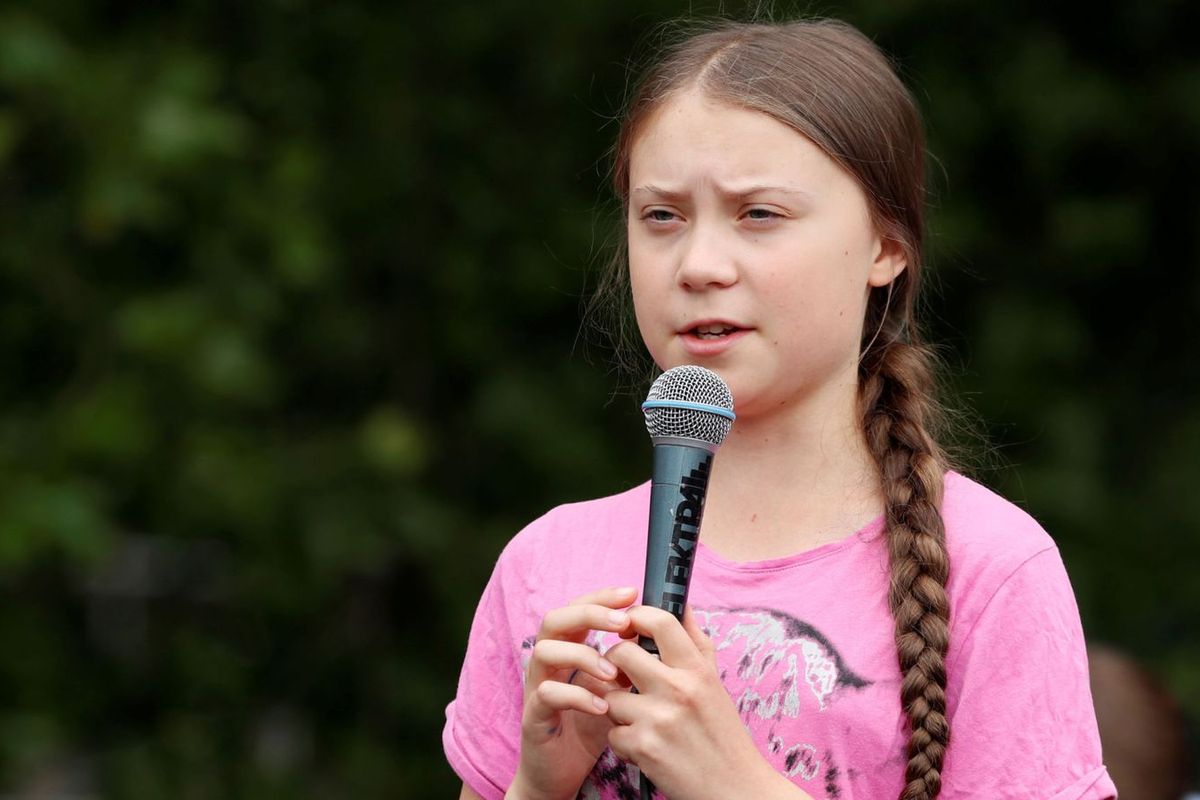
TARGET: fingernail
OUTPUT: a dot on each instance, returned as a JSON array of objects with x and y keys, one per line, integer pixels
[
  {"x": 618, "y": 617},
  {"x": 607, "y": 668},
  {"x": 600, "y": 703},
  {"x": 626, "y": 590}
]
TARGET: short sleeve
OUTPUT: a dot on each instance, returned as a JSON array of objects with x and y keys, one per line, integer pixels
[
  {"x": 483, "y": 722},
  {"x": 1022, "y": 723}
]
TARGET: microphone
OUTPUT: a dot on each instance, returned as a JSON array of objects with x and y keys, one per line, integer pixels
[{"x": 689, "y": 411}]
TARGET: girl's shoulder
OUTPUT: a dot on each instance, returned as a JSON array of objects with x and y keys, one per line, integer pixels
[
  {"x": 990, "y": 539},
  {"x": 981, "y": 523},
  {"x": 587, "y": 520},
  {"x": 583, "y": 541}
]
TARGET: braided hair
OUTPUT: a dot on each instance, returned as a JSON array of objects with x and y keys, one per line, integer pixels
[{"x": 830, "y": 83}]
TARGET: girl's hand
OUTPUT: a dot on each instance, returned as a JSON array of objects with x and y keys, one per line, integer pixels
[
  {"x": 682, "y": 729},
  {"x": 563, "y": 726}
]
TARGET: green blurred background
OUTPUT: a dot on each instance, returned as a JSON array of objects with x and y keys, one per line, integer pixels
[{"x": 289, "y": 326}]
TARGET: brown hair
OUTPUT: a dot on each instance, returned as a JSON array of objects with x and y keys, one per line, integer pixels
[{"x": 833, "y": 85}]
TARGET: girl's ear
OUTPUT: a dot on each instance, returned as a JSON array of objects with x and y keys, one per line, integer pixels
[{"x": 889, "y": 262}]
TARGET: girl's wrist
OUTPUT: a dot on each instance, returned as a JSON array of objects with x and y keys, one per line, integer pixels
[
  {"x": 517, "y": 790},
  {"x": 515, "y": 793},
  {"x": 776, "y": 787},
  {"x": 760, "y": 781}
]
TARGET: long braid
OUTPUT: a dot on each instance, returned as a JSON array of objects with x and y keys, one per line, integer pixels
[{"x": 898, "y": 406}]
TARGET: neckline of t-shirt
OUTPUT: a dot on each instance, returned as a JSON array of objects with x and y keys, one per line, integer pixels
[{"x": 864, "y": 534}]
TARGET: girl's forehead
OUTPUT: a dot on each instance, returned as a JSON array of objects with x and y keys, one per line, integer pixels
[
  {"x": 694, "y": 112},
  {"x": 694, "y": 138}
]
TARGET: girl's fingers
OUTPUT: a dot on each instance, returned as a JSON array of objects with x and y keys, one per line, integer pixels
[
  {"x": 596, "y": 687},
  {"x": 642, "y": 669},
  {"x": 552, "y": 656},
  {"x": 676, "y": 645},
  {"x": 573, "y": 622},
  {"x": 703, "y": 643},
  {"x": 625, "y": 707},
  {"x": 613, "y": 596},
  {"x": 551, "y": 698}
]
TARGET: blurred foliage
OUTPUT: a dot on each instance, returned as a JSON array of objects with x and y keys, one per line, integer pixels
[{"x": 289, "y": 302}]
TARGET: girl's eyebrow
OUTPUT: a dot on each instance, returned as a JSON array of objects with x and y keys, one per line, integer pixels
[{"x": 729, "y": 192}]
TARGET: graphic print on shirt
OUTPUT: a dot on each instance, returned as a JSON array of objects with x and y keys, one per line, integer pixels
[{"x": 775, "y": 667}]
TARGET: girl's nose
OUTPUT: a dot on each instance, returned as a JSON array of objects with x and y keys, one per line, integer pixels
[{"x": 707, "y": 260}]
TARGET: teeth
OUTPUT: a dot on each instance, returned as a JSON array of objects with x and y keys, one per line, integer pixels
[{"x": 712, "y": 330}]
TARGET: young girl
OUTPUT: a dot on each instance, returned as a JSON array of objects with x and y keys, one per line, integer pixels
[{"x": 863, "y": 623}]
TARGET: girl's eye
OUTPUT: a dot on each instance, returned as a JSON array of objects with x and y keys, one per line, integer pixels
[
  {"x": 760, "y": 214},
  {"x": 658, "y": 215}
]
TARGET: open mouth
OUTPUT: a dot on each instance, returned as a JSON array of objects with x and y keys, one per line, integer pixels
[{"x": 713, "y": 331}]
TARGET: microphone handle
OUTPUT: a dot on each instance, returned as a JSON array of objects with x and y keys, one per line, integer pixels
[{"x": 678, "y": 488}]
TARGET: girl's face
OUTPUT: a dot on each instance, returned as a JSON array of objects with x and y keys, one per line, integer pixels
[{"x": 750, "y": 252}]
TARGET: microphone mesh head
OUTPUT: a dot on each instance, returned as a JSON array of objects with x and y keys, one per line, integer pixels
[{"x": 689, "y": 384}]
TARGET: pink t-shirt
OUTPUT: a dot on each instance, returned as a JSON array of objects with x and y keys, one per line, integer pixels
[{"x": 805, "y": 648}]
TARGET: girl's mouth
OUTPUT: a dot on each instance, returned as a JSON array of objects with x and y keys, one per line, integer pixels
[
  {"x": 711, "y": 339},
  {"x": 713, "y": 331}
]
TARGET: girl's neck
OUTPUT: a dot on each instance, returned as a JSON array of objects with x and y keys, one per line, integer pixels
[{"x": 792, "y": 480}]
